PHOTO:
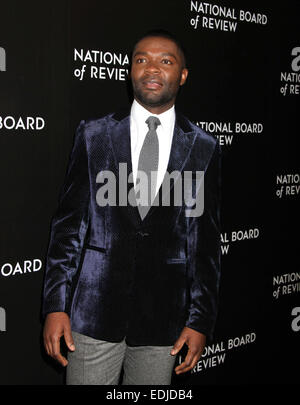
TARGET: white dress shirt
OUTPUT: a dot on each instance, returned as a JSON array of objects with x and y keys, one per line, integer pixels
[{"x": 138, "y": 131}]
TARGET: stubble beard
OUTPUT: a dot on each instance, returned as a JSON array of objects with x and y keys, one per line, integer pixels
[{"x": 150, "y": 99}]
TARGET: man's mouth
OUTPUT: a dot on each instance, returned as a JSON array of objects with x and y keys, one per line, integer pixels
[{"x": 153, "y": 84}]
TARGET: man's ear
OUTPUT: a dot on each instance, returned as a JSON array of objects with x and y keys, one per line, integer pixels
[{"x": 184, "y": 75}]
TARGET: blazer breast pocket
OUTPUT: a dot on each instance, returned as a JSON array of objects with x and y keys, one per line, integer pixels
[
  {"x": 176, "y": 260},
  {"x": 97, "y": 248}
]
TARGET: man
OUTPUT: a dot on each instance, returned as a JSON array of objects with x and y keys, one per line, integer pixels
[{"x": 129, "y": 285}]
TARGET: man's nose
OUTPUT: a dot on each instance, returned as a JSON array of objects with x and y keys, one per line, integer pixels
[{"x": 152, "y": 67}]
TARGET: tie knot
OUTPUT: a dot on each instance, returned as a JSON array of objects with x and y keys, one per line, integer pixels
[{"x": 152, "y": 122}]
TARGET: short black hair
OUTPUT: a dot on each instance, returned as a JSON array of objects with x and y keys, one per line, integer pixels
[{"x": 164, "y": 34}]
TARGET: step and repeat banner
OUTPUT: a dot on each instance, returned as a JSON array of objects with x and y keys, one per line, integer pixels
[{"x": 64, "y": 61}]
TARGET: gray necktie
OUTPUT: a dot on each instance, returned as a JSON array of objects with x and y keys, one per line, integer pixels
[{"x": 148, "y": 162}]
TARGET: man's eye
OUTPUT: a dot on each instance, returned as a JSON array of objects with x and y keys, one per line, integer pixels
[
  {"x": 140, "y": 60},
  {"x": 167, "y": 61}
]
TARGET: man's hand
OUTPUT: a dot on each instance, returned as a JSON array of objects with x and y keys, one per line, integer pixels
[
  {"x": 57, "y": 324},
  {"x": 195, "y": 342}
]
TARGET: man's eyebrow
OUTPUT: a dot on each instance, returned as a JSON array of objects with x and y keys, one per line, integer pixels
[
  {"x": 169, "y": 54},
  {"x": 162, "y": 54},
  {"x": 140, "y": 53}
]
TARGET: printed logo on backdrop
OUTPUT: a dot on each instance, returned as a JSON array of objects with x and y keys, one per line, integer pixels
[
  {"x": 20, "y": 268},
  {"x": 287, "y": 185},
  {"x": 290, "y": 81},
  {"x": 10, "y": 122},
  {"x": 227, "y": 238},
  {"x": 215, "y": 354},
  {"x": 103, "y": 65},
  {"x": 2, "y": 320},
  {"x": 286, "y": 284},
  {"x": 296, "y": 321},
  {"x": 217, "y": 17},
  {"x": 2, "y": 60},
  {"x": 227, "y": 132}
]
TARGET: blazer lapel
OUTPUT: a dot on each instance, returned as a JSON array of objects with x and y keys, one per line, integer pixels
[{"x": 119, "y": 131}]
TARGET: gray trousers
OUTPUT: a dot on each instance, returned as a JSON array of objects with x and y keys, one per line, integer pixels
[{"x": 97, "y": 362}]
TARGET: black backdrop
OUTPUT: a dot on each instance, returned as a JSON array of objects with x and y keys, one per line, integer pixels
[{"x": 63, "y": 61}]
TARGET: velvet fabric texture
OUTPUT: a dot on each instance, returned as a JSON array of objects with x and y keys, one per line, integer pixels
[{"x": 118, "y": 276}]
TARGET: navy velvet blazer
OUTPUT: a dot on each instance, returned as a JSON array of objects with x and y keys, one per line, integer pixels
[{"x": 118, "y": 276}]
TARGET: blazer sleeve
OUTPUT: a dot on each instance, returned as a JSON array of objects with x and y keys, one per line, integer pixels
[
  {"x": 205, "y": 248},
  {"x": 68, "y": 228}
]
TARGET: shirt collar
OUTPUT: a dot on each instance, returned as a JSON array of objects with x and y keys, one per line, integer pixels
[{"x": 140, "y": 114}]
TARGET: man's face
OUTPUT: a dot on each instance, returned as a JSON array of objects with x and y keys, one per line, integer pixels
[{"x": 157, "y": 72}]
